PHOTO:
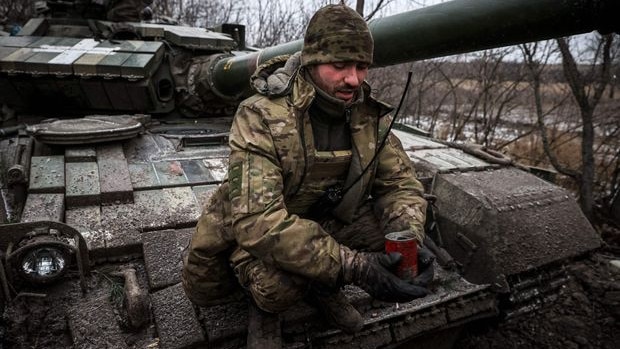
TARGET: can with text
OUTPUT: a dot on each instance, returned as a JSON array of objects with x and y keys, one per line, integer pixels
[{"x": 403, "y": 242}]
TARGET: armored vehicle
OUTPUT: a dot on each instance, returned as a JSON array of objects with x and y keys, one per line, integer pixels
[{"x": 115, "y": 135}]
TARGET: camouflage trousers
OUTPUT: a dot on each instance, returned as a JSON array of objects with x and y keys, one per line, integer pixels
[{"x": 275, "y": 290}]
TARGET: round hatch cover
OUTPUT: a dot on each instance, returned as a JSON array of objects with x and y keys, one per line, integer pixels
[{"x": 87, "y": 130}]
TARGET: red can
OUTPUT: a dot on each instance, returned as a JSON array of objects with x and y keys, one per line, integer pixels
[{"x": 403, "y": 242}]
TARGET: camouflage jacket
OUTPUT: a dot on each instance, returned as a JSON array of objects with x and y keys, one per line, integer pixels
[{"x": 272, "y": 148}]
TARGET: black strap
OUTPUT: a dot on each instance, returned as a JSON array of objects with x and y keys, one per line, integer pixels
[
  {"x": 334, "y": 194},
  {"x": 384, "y": 140}
]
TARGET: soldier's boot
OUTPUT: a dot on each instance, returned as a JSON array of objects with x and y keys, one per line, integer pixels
[
  {"x": 264, "y": 330},
  {"x": 337, "y": 309}
]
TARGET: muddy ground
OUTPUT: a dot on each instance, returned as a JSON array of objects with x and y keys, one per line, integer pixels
[{"x": 586, "y": 315}]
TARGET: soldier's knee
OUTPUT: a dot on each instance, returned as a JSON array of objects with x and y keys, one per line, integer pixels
[
  {"x": 273, "y": 290},
  {"x": 209, "y": 280},
  {"x": 275, "y": 298}
]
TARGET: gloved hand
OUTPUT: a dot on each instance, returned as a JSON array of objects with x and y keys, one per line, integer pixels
[
  {"x": 371, "y": 272},
  {"x": 426, "y": 271}
]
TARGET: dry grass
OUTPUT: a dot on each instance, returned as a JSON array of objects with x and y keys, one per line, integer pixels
[{"x": 529, "y": 150}]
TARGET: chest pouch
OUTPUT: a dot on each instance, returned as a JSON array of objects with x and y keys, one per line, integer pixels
[{"x": 325, "y": 178}]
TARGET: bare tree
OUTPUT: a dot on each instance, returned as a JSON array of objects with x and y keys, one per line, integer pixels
[
  {"x": 468, "y": 99},
  {"x": 580, "y": 113},
  {"x": 587, "y": 88},
  {"x": 359, "y": 7},
  {"x": 485, "y": 98},
  {"x": 428, "y": 93},
  {"x": 549, "y": 107},
  {"x": 375, "y": 8},
  {"x": 277, "y": 22},
  {"x": 201, "y": 13},
  {"x": 447, "y": 91}
]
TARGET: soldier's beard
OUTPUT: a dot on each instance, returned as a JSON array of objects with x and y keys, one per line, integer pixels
[{"x": 345, "y": 92}]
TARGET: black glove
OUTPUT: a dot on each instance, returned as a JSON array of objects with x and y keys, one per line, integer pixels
[
  {"x": 426, "y": 271},
  {"x": 371, "y": 272}
]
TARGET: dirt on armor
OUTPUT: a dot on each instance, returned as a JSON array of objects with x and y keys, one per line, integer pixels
[
  {"x": 65, "y": 317},
  {"x": 585, "y": 315}
]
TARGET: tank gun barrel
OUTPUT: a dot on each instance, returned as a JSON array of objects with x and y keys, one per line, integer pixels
[{"x": 445, "y": 29}]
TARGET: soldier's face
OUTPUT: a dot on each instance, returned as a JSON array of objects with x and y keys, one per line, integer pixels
[{"x": 340, "y": 80}]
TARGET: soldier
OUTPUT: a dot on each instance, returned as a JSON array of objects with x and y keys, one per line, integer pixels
[{"x": 311, "y": 129}]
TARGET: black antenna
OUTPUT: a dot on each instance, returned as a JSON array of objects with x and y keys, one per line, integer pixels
[
  {"x": 387, "y": 134},
  {"x": 334, "y": 194}
]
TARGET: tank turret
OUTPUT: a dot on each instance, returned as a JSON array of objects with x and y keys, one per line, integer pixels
[{"x": 115, "y": 136}]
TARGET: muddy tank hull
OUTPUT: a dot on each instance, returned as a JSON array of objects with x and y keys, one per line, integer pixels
[
  {"x": 134, "y": 194},
  {"x": 135, "y": 203},
  {"x": 494, "y": 229},
  {"x": 499, "y": 223}
]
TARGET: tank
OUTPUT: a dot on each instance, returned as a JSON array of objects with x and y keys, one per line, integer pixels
[{"x": 114, "y": 136}]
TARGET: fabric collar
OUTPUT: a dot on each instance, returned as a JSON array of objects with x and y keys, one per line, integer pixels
[{"x": 329, "y": 106}]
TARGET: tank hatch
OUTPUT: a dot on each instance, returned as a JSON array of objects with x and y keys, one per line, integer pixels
[{"x": 88, "y": 130}]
